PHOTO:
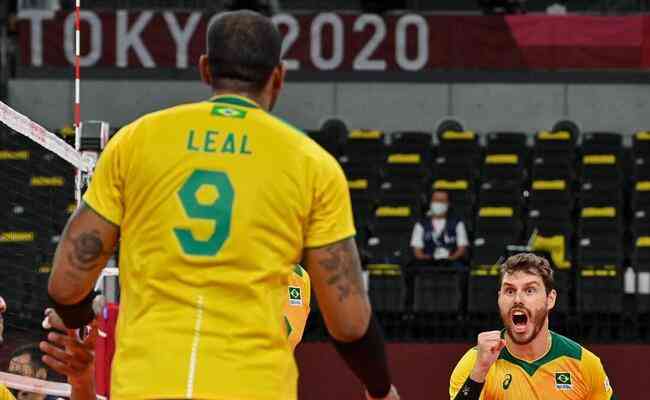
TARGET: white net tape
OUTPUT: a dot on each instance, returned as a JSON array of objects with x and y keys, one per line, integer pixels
[
  {"x": 33, "y": 385},
  {"x": 42, "y": 136}
]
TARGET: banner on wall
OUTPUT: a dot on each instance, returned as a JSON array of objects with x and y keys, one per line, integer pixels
[{"x": 333, "y": 42}]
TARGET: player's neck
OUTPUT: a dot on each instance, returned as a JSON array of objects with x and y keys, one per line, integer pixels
[{"x": 533, "y": 350}]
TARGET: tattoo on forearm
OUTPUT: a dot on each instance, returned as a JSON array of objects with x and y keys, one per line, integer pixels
[
  {"x": 344, "y": 270},
  {"x": 86, "y": 250}
]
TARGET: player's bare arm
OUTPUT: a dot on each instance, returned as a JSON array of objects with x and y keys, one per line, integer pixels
[
  {"x": 336, "y": 277},
  {"x": 86, "y": 245},
  {"x": 335, "y": 270}
]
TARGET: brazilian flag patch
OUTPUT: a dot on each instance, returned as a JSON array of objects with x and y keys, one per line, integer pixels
[
  {"x": 295, "y": 296},
  {"x": 228, "y": 112},
  {"x": 563, "y": 380}
]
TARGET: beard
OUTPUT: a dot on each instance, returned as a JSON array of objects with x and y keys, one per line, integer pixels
[{"x": 535, "y": 322}]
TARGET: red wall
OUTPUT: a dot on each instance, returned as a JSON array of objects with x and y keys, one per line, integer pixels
[{"x": 421, "y": 371}]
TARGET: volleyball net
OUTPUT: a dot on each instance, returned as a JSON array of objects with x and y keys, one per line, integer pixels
[{"x": 42, "y": 173}]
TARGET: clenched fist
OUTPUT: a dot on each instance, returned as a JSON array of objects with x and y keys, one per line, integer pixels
[{"x": 489, "y": 347}]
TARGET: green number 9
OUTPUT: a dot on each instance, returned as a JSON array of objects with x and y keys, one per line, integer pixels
[{"x": 220, "y": 211}]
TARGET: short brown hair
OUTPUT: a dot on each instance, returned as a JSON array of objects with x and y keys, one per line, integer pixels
[{"x": 531, "y": 264}]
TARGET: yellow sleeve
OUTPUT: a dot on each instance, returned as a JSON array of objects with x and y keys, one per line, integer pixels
[
  {"x": 601, "y": 389},
  {"x": 330, "y": 218},
  {"x": 106, "y": 190},
  {"x": 296, "y": 312},
  {"x": 461, "y": 372},
  {"x": 5, "y": 394}
]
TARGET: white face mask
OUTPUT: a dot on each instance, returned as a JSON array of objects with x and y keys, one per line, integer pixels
[{"x": 438, "y": 208}]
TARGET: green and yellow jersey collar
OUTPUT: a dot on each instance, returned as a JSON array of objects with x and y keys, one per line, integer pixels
[
  {"x": 560, "y": 347},
  {"x": 234, "y": 100}
]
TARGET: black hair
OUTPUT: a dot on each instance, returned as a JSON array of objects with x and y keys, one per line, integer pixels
[
  {"x": 243, "y": 48},
  {"x": 34, "y": 353}
]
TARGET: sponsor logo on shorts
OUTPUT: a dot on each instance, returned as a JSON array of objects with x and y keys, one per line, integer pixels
[
  {"x": 295, "y": 296},
  {"x": 563, "y": 380}
]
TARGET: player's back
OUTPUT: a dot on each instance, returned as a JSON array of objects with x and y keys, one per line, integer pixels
[{"x": 217, "y": 197}]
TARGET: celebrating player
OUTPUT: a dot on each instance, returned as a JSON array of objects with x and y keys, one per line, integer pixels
[
  {"x": 527, "y": 360},
  {"x": 214, "y": 203}
]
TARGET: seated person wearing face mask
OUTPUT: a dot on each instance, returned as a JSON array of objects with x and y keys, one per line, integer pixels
[{"x": 439, "y": 239}]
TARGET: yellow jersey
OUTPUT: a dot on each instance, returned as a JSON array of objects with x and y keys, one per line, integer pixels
[
  {"x": 296, "y": 309},
  {"x": 216, "y": 202},
  {"x": 5, "y": 394},
  {"x": 567, "y": 371}
]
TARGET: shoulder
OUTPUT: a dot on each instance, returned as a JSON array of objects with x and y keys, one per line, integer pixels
[
  {"x": 297, "y": 139},
  {"x": 5, "y": 394},
  {"x": 563, "y": 346},
  {"x": 467, "y": 361}
]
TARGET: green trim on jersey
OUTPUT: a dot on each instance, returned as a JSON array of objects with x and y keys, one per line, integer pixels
[
  {"x": 232, "y": 100},
  {"x": 561, "y": 347},
  {"x": 288, "y": 325},
  {"x": 298, "y": 270}
]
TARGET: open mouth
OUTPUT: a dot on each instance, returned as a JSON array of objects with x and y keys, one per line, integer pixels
[{"x": 519, "y": 320}]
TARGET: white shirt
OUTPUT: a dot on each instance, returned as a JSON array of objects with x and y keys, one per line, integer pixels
[{"x": 417, "y": 240}]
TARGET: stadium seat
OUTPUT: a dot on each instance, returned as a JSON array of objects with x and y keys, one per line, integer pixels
[
  {"x": 550, "y": 200},
  {"x": 499, "y": 221},
  {"x": 459, "y": 148},
  {"x": 600, "y": 287},
  {"x": 386, "y": 288},
  {"x": 600, "y": 194},
  {"x": 488, "y": 249},
  {"x": 402, "y": 190},
  {"x": 365, "y": 146},
  {"x": 503, "y": 168},
  {"x": 501, "y": 194},
  {"x": 640, "y": 225},
  {"x": 594, "y": 143},
  {"x": 554, "y": 148},
  {"x": 407, "y": 166},
  {"x": 390, "y": 233},
  {"x": 599, "y": 221},
  {"x": 549, "y": 169},
  {"x": 640, "y": 196},
  {"x": 641, "y": 169},
  {"x": 641, "y": 256},
  {"x": 601, "y": 168},
  {"x": 508, "y": 143},
  {"x": 600, "y": 251},
  {"x": 641, "y": 145},
  {"x": 439, "y": 290},
  {"x": 410, "y": 142},
  {"x": 445, "y": 170},
  {"x": 482, "y": 290}
]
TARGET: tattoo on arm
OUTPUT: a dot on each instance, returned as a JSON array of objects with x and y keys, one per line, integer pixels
[
  {"x": 86, "y": 249},
  {"x": 344, "y": 270}
]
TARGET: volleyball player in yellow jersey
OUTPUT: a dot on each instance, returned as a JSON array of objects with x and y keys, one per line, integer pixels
[
  {"x": 527, "y": 360},
  {"x": 214, "y": 203},
  {"x": 296, "y": 309}
]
